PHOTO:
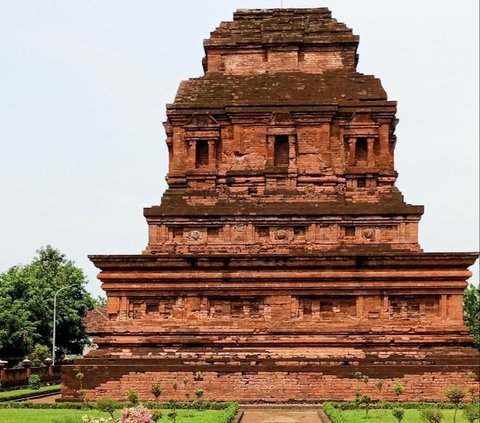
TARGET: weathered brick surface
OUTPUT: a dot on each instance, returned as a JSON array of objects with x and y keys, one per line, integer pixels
[
  {"x": 282, "y": 258},
  {"x": 268, "y": 386}
]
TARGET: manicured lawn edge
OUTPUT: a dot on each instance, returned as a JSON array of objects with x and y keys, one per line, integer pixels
[
  {"x": 334, "y": 410},
  {"x": 391, "y": 405},
  {"x": 25, "y": 393},
  {"x": 183, "y": 405},
  {"x": 57, "y": 415}
]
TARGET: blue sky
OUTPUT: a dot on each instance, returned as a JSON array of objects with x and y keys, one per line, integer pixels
[{"x": 83, "y": 88}]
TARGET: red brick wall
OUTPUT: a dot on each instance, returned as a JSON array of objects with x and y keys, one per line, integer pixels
[{"x": 279, "y": 386}]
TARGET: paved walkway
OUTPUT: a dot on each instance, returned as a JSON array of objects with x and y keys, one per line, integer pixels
[
  {"x": 50, "y": 398},
  {"x": 280, "y": 415}
]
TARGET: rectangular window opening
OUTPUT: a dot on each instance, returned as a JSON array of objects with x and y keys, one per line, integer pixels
[
  {"x": 213, "y": 232},
  {"x": 255, "y": 308},
  {"x": 349, "y": 231},
  {"x": 361, "y": 149},
  {"x": 299, "y": 230},
  {"x": 361, "y": 182},
  {"x": 151, "y": 308},
  {"x": 281, "y": 150},
  {"x": 263, "y": 231},
  {"x": 307, "y": 306},
  {"x": 177, "y": 234},
  {"x": 201, "y": 153},
  {"x": 236, "y": 308},
  {"x": 326, "y": 306}
]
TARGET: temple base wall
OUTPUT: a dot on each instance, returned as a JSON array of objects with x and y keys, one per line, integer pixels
[{"x": 220, "y": 383}]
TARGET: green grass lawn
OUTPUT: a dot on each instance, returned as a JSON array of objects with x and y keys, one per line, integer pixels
[
  {"x": 21, "y": 392},
  {"x": 411, "y": 416},
  {"x": 75, "y": 416}
]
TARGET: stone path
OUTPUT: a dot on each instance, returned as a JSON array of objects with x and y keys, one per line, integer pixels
[
  {"x": 280, "y": 415},
  {"x": 50, "y": 398}
]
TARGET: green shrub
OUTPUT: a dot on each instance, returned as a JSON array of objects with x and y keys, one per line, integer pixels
[
  {"x": 366, "y": 401},
  {"x": 333, "y": 413},
  {"x": 184, "y": 405},
  {"x": 24, "y": 393},
  {"x": 34, "y": 382},
  {"x": 106, "y": 405},
  {"x": 156, "y": 391},
  {"x": 398, "y": 414},
  {"x": 172, "y": 416},
  {"x": 455, "y": 395},
  {"x": 132, "y": 397},
  {"x": 80, "y": 376},
  {"x": 230, "y": 413},
  {"x": 156, "y": 415},
  {"x": 398, "y": 390},
  {"x": 432, "y": 416},
  {"x": 472, "y": 412}
]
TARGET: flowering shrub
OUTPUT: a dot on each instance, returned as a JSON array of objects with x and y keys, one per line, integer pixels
[{"x": 138, "y": 414}]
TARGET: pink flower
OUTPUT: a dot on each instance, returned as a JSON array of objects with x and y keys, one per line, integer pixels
[{"x": 138, "y": 414}]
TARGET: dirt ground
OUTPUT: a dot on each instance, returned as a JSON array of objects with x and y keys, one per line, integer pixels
[{"x": 279, "y": 415}]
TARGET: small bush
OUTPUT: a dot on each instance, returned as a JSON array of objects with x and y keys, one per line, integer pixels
[
  {"x": 156, "y": 391},
  {"x": 156, "y": 415},
  {"x": 106, "y": 405},
  {"x": 398, "y": 414},
  {"x": 366, "y": 401},
  {"x": 172, "y": 416},
  {"x": 432, "y": 416},
  {"x": 132, "y": 397},
  {"x": 455, "y": 395},
  {"x": 398, "y": 390},
  {"x": 472, "y": 412},
  {"x": 34, "y": 382}
]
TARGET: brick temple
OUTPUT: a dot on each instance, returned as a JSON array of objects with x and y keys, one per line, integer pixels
[{"x": 282, "y": 258}]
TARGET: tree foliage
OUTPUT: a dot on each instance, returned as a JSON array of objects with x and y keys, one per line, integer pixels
[
  {"x": 471, "y": 312},
  {"x": 26, "y": 305}
]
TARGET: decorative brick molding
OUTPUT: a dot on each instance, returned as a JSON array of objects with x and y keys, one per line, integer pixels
[{"x": 282, "y": 258}]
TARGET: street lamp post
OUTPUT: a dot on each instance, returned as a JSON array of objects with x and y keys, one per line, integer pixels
[{"x": 55, "y": 321}]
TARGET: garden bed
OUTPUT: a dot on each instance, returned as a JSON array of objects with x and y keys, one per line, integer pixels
[
  {"x": 17, "y": 394},
  {"x": 346, "y": 412},
  {"x": 64, "y": 412}
]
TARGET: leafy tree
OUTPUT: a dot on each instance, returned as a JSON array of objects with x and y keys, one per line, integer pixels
[
  {"x": 471, "y": 312},
  {"x": 367, "y": 401},
  {"x": 455, "y": 395},
  {"x": 106, "y": 405},
  {"x": 26, "y": 305},
  {"x": 99, "y": 302},
  {"x": 39, "y": 354}
]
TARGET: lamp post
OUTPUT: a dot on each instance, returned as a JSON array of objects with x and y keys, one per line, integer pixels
[{"x": 55, "y": 320}]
